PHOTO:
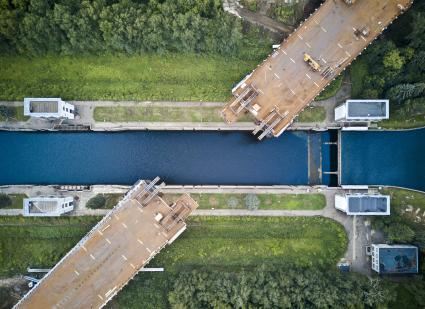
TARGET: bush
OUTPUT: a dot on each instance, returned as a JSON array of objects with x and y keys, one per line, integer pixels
[
  {"x": 5, "y": 200},
  {"x": 252, "y": 202},
  {"x": 99, "y": 201}
]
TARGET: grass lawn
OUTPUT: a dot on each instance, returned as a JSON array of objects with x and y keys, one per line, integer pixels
[
  {"x": 404, "y": 197},
  {"x": 358, "y": 73},
  {"x": 175, "y": 77},
  {"x": 154, "y": 113},
  {"x": 38, "y": 242},
  {"x": 16, "y": 112},
  {"x": 409, "y": 114},
  {"x": 331, "y": 90},
  {"x": 312, "y": 114},
  {"x": 17, "y": 201},
  {"x": 267, "y": 201},
  {"x": 232, "y": 243},
  {"x": 111, "y": 200}
]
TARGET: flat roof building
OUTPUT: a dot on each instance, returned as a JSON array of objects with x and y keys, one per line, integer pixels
[
  {"x": 48, "y": 206},
  {"x": 362, "y": 110},
  {"x": 48, "y": 108},
  {"x": 394, "y": 259},
  {"x": 363, "y": 204}
]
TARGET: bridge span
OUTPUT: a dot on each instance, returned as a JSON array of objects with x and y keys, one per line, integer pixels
[
  {"x": 308, "y": 60},
  {"x": 113, "y": 252}
]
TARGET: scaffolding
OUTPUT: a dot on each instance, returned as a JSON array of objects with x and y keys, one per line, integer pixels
[{"x": 270, "y": 122}]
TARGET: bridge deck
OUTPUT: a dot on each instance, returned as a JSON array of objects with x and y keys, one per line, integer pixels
[
  {"x": 111, "y": 254},
  {"x": 285, "y": 81}
]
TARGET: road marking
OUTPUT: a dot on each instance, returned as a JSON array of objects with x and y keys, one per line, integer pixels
[
  {"x": 131, "y": 264},
  {"x": 280, "y": 85},
  {"x": 347, "y": 53},
  {"x": 116, "y": 217},
  {"x": 292, "y": 91},
  {"x": 299, "y": 36},
  {"x": 156, "y": 225},
  {"x": 277, "y": 76},
  {"x": 140, "y": 209},
  {"x": 317, "y": 85},
  {"x": 93, "y": 258},
  {"x": 84, "y": 248},
  {"x": 260, "y": 91},
  {"x": 141, "y": 242},
  {"x": 124, "y": 225},
  {"x": 106, "y": 227},
  {"x": 292, "y": 60},
  {"x": 124, "y": 257},
  {"x": 315, "y": 21},
  {"x": 339, "y": 45},
  {"x": 284, "y": 52},
  {"x": 307, "y": 75},
  {"x": 150, "y": 251},
  {"x": 76, "y": 272},
  {"x": 354, "y": 29},
  {"x": 323, "y": 29},
  {"x": 108, "y": 241},
  {"x": 101, "y": 298},
  {"x": 100, "y": 232},
  {"x": 363, "y": 38},
  {"x": 324, "y": 61},
  {"x": 308, "y": 45}
]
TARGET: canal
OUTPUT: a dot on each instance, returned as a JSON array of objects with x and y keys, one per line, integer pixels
[{"x": 295, "y": 158}]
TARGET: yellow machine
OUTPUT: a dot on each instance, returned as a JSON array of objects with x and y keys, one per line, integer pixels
[
  {"x": 350, "y": 2},
  {"x": 311, "y": 62}
]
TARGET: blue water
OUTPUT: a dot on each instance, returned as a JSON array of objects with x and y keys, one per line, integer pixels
[
  {"x": 394, "y": 158},
  {"x": 177, "y": 157}
]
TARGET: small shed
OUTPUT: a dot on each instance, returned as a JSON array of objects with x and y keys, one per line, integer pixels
[
  {"x": 362, "y": 111},
  {"x": 363, "y": 204},
  {"x": 47, "y": 206},
  {"x": 48, "y": 108}
]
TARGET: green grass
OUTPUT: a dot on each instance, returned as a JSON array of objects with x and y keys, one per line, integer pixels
[
  {"x": 160, "y": 113},
  {"x": 17, "y": 201},
  {"x": 234, "y": 243},
  {"x": 112, "y": 199},
  {"x": 358, "y": 73},
  {"x": 331, "y": 90},
  {"x": 312, "y": 114},
  {"x": 17, "y": 113},
  {"x": 175, "y": 77},
  {"x": 409, "y": 114},
  {"x": 403, "y": 197},
  {"x": 38, "y": 242},
  {"x": 267, "y": 201}
]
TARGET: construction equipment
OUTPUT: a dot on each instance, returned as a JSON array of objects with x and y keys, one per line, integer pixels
[
  {"x": 315, "y": 66},
  {"x": 350, "y": 2},
  {"x": 363, "y": 32}
]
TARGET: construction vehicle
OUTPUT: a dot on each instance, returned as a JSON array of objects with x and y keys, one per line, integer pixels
[
  {"x": 315, "y": 66},
  {"x": 364, "y": 32},
  {"x": 350, "y": 2}
]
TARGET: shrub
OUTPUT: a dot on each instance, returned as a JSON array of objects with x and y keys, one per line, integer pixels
[
  {"x": 97, "y": 201},
  {"x": 252, "y": 202},
  {"x": 5, "y": 200}
]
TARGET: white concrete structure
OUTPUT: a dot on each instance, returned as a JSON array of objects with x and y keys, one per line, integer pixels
[
  {"x": 363, "y": 204},
  {"x": 394, "y": 259},
  {"x": 48, "y": 108},
  {"x": 48, "y": 206},
  {"x": 362, "y": 111}
]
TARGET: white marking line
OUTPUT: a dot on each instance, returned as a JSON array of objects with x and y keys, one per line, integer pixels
[
  {"x": 324, "y": 61},
  {"x": 104, "y": 229},
  {"x": 280, "y": 85},
  {"x": 140, "y": 242},
  {"x": 363, "y": 38},
  {"x": 292, "y": 60},
  {"x": 131, "y": 264},
  {"x": 156, "y": 225},
  {"x": 124, "y": 257},
  {"x": 339, "y": 45},
  {"x": 316, "y": 85},
  {"x": 164, "y": 234},
  {"x": 299, "y": 36},
  {"x": 76, "y": 272},
  {"x": 108, "y": 241},
  {"x": 124, "y": 225},
  {"x": 347, "y": 53},
  {"x": 260, "y": 91},
  {"x": 84, "y": 248},
  {"x": 101, "y": 298},
  {"x": 284, "y": 52},
  {"x": 323, "y": 29},
  {"x": 354, "y": 29},
  {"x": 150, "y": 251},
  {"x": 93, "y": 258},
  {"x": 308, "y": 45},
  {"x": 307, "y": 75},
  {"x": 140, "y": 209},
  {"x": 277, "y": 76},
  {"x": 315, "y": 21},
  {"x": 292, "y": 91},
  {"x": 116, "y": 217},
  {"x": 100, "y": 232}
]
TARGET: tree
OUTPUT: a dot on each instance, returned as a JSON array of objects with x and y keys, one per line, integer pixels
[
  {"x": 232, "y": 202},
  {"x": 399, "y": 232},
  {"x": 393, "y": 60},
  {"x": 97, "y": 201},
  {"x": 252, "y": 202}
]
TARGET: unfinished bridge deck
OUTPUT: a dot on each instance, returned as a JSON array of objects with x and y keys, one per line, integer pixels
[
  {"x": 284, "y": 84},
  {"x": 113, "y": 252}
]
